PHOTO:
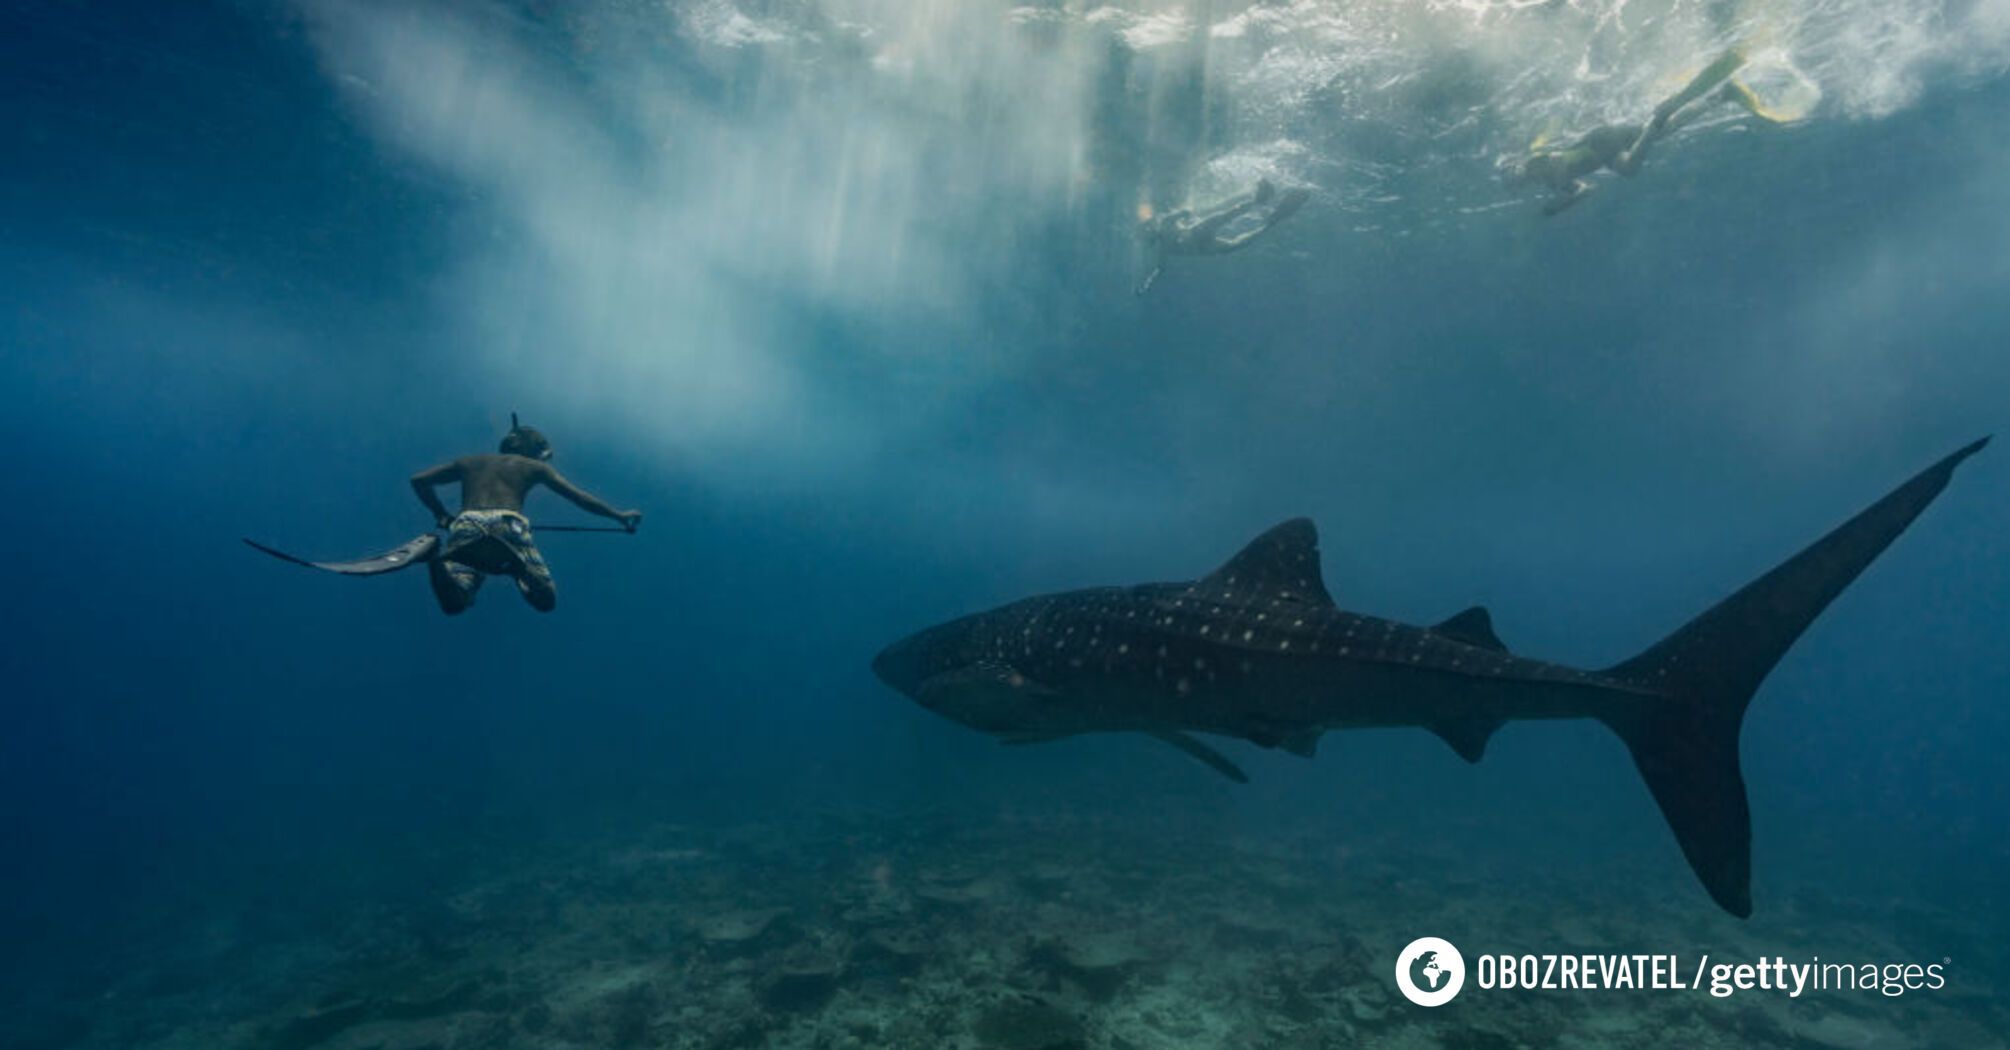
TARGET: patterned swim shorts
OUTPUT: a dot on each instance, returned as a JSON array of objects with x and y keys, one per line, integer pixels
[{"x": 495, "y": 542}]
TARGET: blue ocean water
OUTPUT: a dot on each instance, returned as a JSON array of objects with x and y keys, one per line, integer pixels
[{"x": 840, "y": 294}]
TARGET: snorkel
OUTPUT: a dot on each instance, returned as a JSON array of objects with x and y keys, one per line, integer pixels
[{"x": 524, "y": 441}]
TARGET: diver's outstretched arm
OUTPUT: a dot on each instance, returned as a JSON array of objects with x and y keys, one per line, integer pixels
[
  {"x": 1229, "y": 244},
  {"x": 1203, "y": 231},
  {"x": 584, "y": 500},
  {"x": 1281, "y": 208}
]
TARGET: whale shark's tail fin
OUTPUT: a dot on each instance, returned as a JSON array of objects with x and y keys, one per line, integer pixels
[{"x": 1687, "y": 746}]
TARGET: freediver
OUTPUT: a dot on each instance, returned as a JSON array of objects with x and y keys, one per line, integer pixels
[
  {"x": 1181, "y": 232},
  {"x": 490, "y": 536},
  {"x": 1622, "y": 147}
]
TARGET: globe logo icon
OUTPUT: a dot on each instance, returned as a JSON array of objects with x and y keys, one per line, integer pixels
[
  {"x": 1430, "y": 971},
  {"x": 1425, "y": 972}
]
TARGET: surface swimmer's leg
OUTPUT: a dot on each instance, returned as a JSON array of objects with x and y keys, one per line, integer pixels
[
  {"x": 1291, "y": 201},
  {"x": 1713, "y": 76},
  {"x": 1204, "y": 230},
  {"x": 454, "y": 585}
]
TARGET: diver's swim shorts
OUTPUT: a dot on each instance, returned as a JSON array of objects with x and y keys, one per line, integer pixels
[{"x": 497, "y": 542}]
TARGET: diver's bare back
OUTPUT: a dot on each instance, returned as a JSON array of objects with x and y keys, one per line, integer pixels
[{"x": 498, "y": 481}]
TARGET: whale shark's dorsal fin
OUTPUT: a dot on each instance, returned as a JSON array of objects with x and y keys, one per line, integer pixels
[
  {"x": 1473, "y": 627},
  {"x": 1283, "y": 563}
]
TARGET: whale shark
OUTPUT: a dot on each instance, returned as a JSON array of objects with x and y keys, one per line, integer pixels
[{"x": 1258, "y": 650}]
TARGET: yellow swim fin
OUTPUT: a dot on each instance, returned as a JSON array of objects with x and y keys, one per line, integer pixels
[
  {"x": 1774, "y": 90},
  {"x": 1712, "y": 76}
]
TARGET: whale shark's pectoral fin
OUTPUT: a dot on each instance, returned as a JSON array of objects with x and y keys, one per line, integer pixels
[
  {"x": 1215, "y": 760},
  {"x": 1301, "y": 742},
  {"x": 1468, "y": 736},
  {"x": 1304, "y": 744},
  {"x": 1473, "y": 627}
]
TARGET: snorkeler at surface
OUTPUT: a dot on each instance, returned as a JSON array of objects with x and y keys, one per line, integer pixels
[
  {"x": 1622, "y": 147},
  {"x": 1182, "y": 232},
  {"x": 490, "y": 536}
]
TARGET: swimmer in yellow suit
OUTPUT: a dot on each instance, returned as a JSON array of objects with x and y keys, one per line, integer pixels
[{"x": 1622, "y": 147}]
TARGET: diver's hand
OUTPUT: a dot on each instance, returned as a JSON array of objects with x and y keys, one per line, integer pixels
[{"x": 629, "y": 519}]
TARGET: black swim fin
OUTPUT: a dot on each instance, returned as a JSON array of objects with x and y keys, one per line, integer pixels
[{"x": 403, "y": 556}]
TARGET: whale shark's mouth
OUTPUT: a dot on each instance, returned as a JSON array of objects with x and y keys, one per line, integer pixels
[{"x": 896, "y": 666}]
